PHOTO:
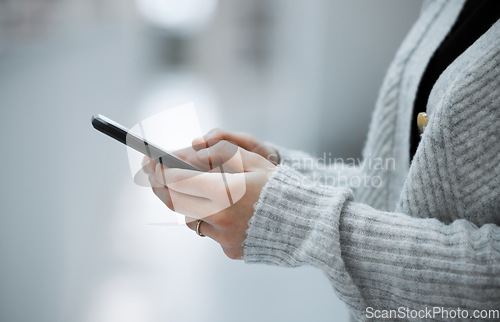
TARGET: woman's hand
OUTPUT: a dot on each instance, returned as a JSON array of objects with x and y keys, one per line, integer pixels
[
  {"x": 244, "y": 140},
  {"x": 222, "y": 198}
]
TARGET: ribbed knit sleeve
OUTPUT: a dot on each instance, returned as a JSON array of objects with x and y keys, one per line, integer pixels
[
  {"x": 400, "y": 261},
  {"x": 296, "y": 222},
  {"x": 374, "y": 259}
]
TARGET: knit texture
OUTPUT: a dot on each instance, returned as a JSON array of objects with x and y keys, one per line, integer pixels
[{"x": 424, "y": 234}]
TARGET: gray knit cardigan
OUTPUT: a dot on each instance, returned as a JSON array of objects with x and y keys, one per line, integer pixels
[{"x": 387, "y": 233}]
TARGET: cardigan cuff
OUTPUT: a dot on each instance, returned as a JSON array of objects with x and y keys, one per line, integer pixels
[{"x": 295, "y": 221}]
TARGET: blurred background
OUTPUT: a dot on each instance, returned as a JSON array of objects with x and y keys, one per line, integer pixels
[{"x": 76, "y": 240}]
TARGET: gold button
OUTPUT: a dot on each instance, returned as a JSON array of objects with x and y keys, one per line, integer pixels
[{"x": 422, "y": 120}]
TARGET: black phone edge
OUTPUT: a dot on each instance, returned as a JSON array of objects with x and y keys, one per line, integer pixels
[{"x": 119, "y": 133}]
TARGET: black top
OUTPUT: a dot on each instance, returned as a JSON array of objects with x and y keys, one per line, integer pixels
[{"x": 476, "y": 17}]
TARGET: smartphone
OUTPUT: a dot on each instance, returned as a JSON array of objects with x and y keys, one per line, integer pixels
[{"x": 123, "y": 135}]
